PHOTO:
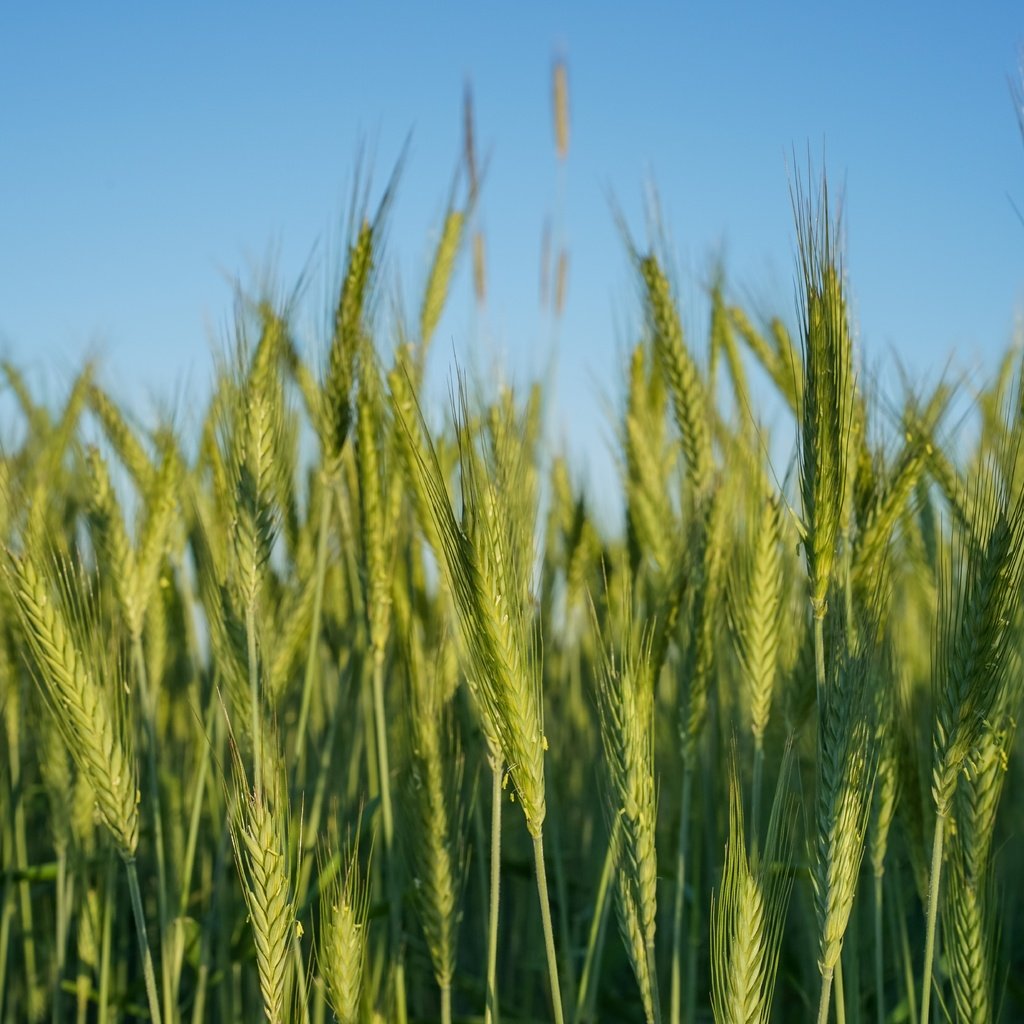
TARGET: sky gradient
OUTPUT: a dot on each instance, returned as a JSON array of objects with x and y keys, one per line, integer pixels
[{"x": 152, "y": 156}]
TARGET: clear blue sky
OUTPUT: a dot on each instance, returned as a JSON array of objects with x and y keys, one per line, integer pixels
[{"x": 150, "y": 153}]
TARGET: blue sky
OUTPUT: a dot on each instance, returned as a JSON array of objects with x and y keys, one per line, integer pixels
[{"x": 149, "y": 154}]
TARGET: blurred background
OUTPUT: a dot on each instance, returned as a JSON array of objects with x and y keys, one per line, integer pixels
[{"x": 151, "y": 160}]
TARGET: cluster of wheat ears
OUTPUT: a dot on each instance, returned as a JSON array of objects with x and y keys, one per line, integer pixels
[{"x": 313, "y": 714}]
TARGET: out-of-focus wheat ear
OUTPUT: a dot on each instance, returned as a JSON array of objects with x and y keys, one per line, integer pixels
[
  {"x": 371, "y": 429},
  {"x": 85, "y": 699},
  {"x": 685, "y": 385},
  {"x": 37, "y": 416},
  {"x": 115, "y": 551},
  {"x": 122, "y": 438},
  {"x": 651, "y": 521},
  {"x": 439, "y": 279},
  {"x": 159, "y": 520},
  {"x": 258, "y": 823},
  {"x": 479, "y": 267},
  {"x": 469, "y": 157},
  {"x": 827, "y": 409},
  {"x": 411, "y": 442},
  {"x": 296, "y": 617},
  {"x": 749, "y": 912},
  {"x": 895, "y": 489},
  {"x": 706, "y": 584},
  {"x": 560, "y": 106},
  {"x": 344, "y": 910}
]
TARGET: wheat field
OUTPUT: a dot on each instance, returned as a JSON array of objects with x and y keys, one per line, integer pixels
[{"x": 349, "y": 705}]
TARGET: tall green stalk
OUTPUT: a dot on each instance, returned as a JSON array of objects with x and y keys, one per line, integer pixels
[
  {"x": 140, "y": 931},
  {"x": 494, "y": 896},
  {"x": 390, "y": 852},
  {"x": 549, "y": 934},
  {"x": 682, "y": 842},
  {"x": 312, "y": 652},
  {"x": 934, "y": 879}
]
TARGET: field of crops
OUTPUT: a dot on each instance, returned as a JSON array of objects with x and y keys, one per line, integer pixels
[{"x": 348, "y": 707}]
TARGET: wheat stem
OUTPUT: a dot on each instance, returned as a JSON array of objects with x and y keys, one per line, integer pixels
[
  {"x": 153, "y": 785},
  {"x": 390, "y": 853},
  {"x": 314, "y": 628},
  {"x": 826, "y": 993},
  {"x": 680, "y": 895},
  {"x": 140, "y": 931},
  {"x": 549, "y": 934},
  {"x": 879, "y": 962},
  {"x": 934, "y": 878},
  {"x": 109, "y": 912},
  {"x": 491, "y": 1010},
  {"x": 17, "y": 794},
  {"x": 595, "y": 939},
  {"x": 840, "y": 992},
  {"x": 755, "y": 792}
]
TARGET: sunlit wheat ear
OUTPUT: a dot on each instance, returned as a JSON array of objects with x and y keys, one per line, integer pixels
[
  {"x": 259, "y": 834},
  {"x": 651, "y": 522},
  {"x": 690, "y": 402},
  {"x": 441, "y": 269},
  {"x": 826, "y": 415},
  {"x": 258, "y": 422},
  {"x": 340, "y": 375},
  {"x": 755, "y": 607},
  {"x": 626, "y": 708},
  {"x": 484, "y": 562},
  {"x": 749, "y": 911},
  {"x": 349, "y": 323},
  {"x": 85, "y": 693},
  {"x": 344, "y": 909}
]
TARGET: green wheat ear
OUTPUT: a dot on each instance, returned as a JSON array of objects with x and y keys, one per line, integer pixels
[
  {"x": 341, "y": 954},
  {"x": 690, "y": 402},
  {"x": 433, "y": 805},
  {"x": 749, "y": 912},
  {"x": 827, "y": 411},
  {"x": 485, "y": 561},
  {"x": 82, "y": 689},
  {"x": 259, "y": 833},
  {"x": 847, "y": 762},
  {"x": 625, "y": 691}
]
